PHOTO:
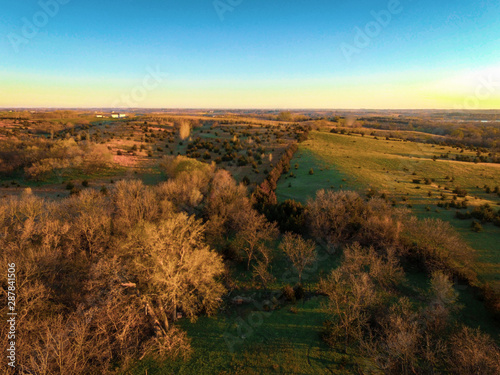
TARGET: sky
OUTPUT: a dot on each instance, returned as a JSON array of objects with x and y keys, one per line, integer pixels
[{"x": 279, "y": 54}]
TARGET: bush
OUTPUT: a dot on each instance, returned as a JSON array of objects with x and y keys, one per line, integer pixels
[
  {"x": 476, "y": 227},
  {"x": 484, "y": 213},
  {"x": 462, "y": 193},
  {"x": 288, "y": 293},
  {"x": 311, "y": 171}
]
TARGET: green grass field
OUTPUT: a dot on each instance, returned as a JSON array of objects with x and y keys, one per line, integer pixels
[
  {"x": 352, "y": 162},
  {"x": 254, "y": 342}
]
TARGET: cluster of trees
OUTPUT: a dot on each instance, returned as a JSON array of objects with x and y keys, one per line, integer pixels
[
  {"x": 103, "y": 275},
  {"x": 484, "y": 214},
  {"x": 337, "y": 218},
  {"x": 395, "y": 336},
  {"x": 100, "y": 278},
  {"x": 488, "y": 157},
  {"x": 468, "y": 133},
  {"x": 369, "y": 312},
  {"x": 41, "y": 158}
]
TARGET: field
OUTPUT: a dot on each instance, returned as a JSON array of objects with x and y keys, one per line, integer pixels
[
  {"x": 256, "y": 328},
  {"x": 354, "y": 162},
  {"x": 246, "y": 147}
]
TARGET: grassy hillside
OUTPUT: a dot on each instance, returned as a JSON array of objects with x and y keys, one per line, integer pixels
[{"x": 390, "y": 166}]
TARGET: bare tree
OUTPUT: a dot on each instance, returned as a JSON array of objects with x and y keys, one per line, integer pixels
[
  {"x": 133, "y": 203},
  {"x": 355, "y": 289},
  {"x": 255, "y": 230},
  {"x": 174, "y": 267},
  {"x": 441, "y": 304},
  {"x": 335, "y": 217},
  {"x": 90, "y": 213},
  {"x": 301, "y": 253},
  {"x": 473, "y": 352},
  {"x": 261, "y": 270},
  {"x": 348, "y": 298},
  {"x": 396, "y": 349}
]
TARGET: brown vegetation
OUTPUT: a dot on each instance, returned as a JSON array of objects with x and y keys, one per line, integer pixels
[{"x": 103, "y": 276}]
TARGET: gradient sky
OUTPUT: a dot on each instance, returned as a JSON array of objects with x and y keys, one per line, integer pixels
[{"x": 261, "y": 54}]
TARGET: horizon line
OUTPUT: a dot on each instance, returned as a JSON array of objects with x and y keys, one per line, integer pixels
[{"x": 253, "y": 108}]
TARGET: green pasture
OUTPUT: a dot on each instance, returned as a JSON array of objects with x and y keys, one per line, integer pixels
[{"x": 391, "y": 166}]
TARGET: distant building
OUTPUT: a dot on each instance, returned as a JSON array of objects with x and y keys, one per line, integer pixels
[{"x": 118, "y": 115}]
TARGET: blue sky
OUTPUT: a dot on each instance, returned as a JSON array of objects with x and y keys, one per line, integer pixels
[{"x": 265, "y": 54}]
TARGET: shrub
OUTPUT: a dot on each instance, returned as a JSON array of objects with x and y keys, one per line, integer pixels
[
  {"x": 289, "y": 215},
  {"x": 371, "y": 192},
  {"x": 484, "y": 213},
  {"x": 462, "y": 193},
  {"x": 288, "y": 293},
  {"x": 476, "y": 227}
]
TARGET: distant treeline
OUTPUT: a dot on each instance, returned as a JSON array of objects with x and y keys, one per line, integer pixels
[{"x": 471, "y": 134}]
